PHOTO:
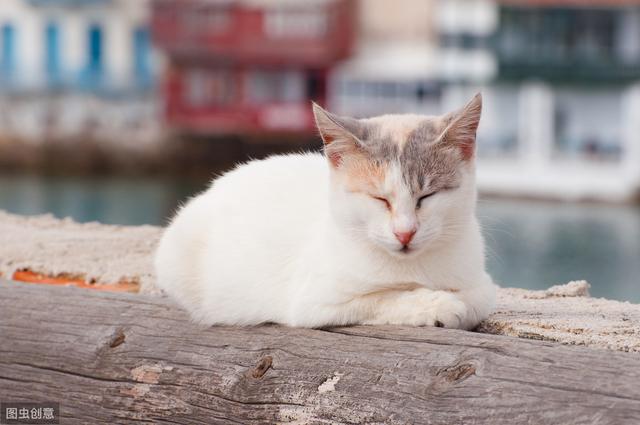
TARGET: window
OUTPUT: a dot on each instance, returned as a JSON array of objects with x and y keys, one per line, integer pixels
[
  {"x": 52, "y": 53},
  {"x": 467, "y": 41},
  {"x": 498, "y": 131},
  {"x": 316, "y": 87},
  {"x": 556, "y": 35},
  {"x": 209, "y": 87},
  {"x": 210, "y": 18},
  {"x": 363, "y": 97},
  {"x": 276, "y": 86},
  {"x": 628, "y": 36},
  {"x": 587, "y": 125},
  {"x": 281, "y": 23},
  {"x": 7, "y": 51},
  {"x": 141, "y": 56},
  {"x": 409, "y": 91}
]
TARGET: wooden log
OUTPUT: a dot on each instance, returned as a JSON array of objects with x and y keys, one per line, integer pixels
[{"x": 120, "y": 358}]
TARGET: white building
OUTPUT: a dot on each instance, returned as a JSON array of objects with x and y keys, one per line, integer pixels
[
  {"x": 408, "y": 53},
  {"x": 394, "y": 68},
  {"x": 562, "y": 110},
  {"x": 68, "y": 67}
]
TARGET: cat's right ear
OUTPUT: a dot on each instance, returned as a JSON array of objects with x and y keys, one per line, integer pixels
[
  {"x": 339, "y": 134},
  {"x": 461, "y": 127}
]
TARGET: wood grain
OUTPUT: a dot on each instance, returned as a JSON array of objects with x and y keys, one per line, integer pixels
[{"x": 122, "y": 358}]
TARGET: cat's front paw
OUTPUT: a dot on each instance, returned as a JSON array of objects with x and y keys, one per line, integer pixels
[
  {"x": 447, "y": 310},
  {"x": 423, "y": 307}
]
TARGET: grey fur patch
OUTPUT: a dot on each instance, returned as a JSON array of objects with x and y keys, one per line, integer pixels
[
  {"x": 423, "y": 161},
  {"x": 379, "y": 147}
]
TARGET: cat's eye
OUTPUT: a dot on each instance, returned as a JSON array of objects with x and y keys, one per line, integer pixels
[
  {"x": 386, "y": 201},
  {"x": 422, "y": 198}
]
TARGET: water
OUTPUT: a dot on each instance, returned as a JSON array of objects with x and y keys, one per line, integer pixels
[
  {"x": 530, "y": 244},
  {"x": 536, "y": 244},
  {"x": 112, "y": 200}
]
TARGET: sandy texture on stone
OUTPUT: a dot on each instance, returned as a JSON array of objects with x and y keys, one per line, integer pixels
[
  {"x": 109, "y": 254},
  {"x": 566, "y": 314},
  {"x": 92, "y": 251}
]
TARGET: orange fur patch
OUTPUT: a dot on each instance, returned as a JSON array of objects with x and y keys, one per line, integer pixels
[{"x": 363, "y": 175}]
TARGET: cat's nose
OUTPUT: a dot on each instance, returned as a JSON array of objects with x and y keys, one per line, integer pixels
[{"x": 405, "y": 237}]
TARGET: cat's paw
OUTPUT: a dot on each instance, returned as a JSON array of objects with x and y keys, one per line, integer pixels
[
  {"x": 447, "y": 310},
  {"x": 423, "y": 307}
]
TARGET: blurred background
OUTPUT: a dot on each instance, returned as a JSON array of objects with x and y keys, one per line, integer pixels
[{"x": 118, "y": 110}]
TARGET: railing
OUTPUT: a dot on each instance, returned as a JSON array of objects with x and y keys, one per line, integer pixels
[
  {"x": 561, "y": 43},
  {"x": 568, "y": 70}
]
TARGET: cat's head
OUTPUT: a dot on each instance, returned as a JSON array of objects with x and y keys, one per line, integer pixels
[{"x": 403, "y": 182}]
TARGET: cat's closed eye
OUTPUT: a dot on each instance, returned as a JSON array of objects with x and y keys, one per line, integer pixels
[
  {"x": 384, "y": 200},
  {"x": 422, "y": 198}
]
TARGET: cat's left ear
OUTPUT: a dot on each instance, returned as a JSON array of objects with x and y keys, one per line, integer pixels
[
  {"x": 461, "y": 127},
  {"x": 339, "y": 134}
]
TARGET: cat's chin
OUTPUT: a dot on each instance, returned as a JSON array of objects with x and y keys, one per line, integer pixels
[{"x": 405, "y": 252}]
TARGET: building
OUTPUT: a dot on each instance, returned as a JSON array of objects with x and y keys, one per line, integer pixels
[
  {"x": 560, "y": 80},
  {"x": 249, "y": 66},
  {"x": 410, "y": 53},
  {"x": 392, "y": 68},
  {"x": 71, "y": 68},
  {"x": 563, "y": 106}
]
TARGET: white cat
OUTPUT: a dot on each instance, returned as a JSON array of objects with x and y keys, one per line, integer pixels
[{"x": 380, "y": 230}]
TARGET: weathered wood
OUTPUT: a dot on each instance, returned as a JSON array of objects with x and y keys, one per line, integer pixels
[{"x": 118, "y": 358}]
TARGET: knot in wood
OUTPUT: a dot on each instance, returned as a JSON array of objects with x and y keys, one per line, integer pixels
[
  {"x": 117, "y": 338},
  {"x": 457, "y": 373},
  {"x": 262, "y": 367}
]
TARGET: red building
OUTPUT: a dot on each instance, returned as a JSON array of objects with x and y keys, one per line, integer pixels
[{"x": 249, "y": 66}]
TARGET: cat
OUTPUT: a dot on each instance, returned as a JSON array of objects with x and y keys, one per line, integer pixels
[{"x": 381, "y": 229}]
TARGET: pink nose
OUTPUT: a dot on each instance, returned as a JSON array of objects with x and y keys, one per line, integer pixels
[{"x": 405, "y": 237}]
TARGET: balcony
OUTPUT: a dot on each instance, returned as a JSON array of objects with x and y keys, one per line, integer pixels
[
  {"x": 564, "y": 44},
  {"x": 306, "y": 34}
]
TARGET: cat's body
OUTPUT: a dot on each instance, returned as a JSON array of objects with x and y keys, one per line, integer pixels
[{"x": 295, "y": 240}]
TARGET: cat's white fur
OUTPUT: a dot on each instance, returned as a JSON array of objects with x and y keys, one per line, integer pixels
[{"x": 282, "y": 240}]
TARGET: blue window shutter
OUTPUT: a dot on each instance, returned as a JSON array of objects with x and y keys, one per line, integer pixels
[
  {"x": 8, "y": 51},
  {"x": 94, "y": 65},
  {"x": 142, "y": 52},
  {"x": 95, "y": 48},
  {"x": 52, "y": 59}
]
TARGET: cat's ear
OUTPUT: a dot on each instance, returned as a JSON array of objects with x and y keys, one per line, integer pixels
[
  {"x": 339, "y": 134},
  {"x": 461, "y": 127}
]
